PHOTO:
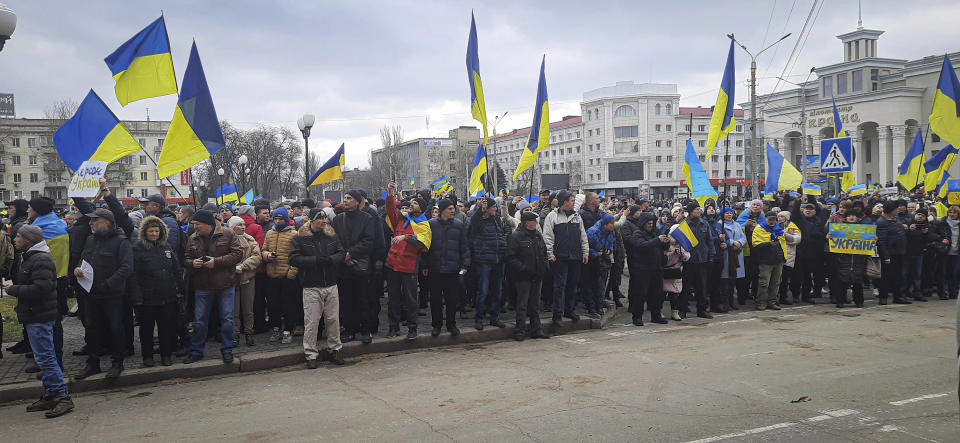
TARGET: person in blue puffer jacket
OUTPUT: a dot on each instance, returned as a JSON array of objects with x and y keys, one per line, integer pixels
[{"x": 603, "y": 241}]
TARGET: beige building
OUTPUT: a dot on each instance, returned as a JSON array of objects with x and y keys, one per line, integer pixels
[{"x": 426, "y": 159}]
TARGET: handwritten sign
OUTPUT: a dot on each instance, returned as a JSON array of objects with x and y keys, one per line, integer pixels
[
  {"x": 853, "y": 238},
  {"x": 86, "y": 181}
]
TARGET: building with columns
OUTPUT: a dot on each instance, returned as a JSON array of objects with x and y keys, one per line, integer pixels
[{"x": 882, "y": 103}]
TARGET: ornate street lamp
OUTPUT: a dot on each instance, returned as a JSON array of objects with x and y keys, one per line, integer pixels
[{"x": 305, "y": 123}]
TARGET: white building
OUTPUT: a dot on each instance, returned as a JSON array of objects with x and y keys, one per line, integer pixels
[{"x": 882, "y": 103}]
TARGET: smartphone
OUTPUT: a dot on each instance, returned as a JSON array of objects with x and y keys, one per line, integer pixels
[{"x": 206, "y": 258}]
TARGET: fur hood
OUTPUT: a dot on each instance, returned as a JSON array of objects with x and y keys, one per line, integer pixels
[{"x": 148, "y": 222}]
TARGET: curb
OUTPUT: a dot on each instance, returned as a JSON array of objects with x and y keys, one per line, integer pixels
[{"x": 277, "y": 359}]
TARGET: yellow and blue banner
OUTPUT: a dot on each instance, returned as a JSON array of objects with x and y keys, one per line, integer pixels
[
  {"x": 941, "y": 210},
  {"x": 857, "y": 190},
  {"x": 722, "y": 121},
  {"x": 420, "y": 224},
  {"x": 809, "y": 189},
  {"x": 331, "y": 170},
  {"x": 853, "y": 238},
  {"x": 945, "y": 114},
  {"x": 952, "y": 188},
  {"x": 540, "y": 129},
  {"x": 697, "y": 180},
  {"x": 439, "y": 182},
  {"x": 477, "y": 106},
  {"x": 838, "y": 130},
  {"x": 941, "y": 190},
  {"x": 478, "y": 174},
  {"x": 937, "y": 166},
  {"x": 226, "y": 193},
  {"x": 194, "y": 132},
  {"x": 780, "y": 173},
  {"x": 911, "y": 171},
  {"x": 55, "y": 234},
  {"x": 684, "y": 236},
  {"x": 143, "y": 66},
  {"x": 93, "y": 133},
  {"x": 248, "y": 197}
]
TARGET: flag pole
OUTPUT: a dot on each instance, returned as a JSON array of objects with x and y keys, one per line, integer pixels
[
  {"x": 726, "y": 164},
  {"x": 923, "y": 154}
]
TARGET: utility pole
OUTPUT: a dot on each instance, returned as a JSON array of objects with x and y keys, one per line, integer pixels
[{"x": 803, "y": 121}]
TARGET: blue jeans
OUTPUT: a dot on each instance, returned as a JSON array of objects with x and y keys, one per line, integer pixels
[
  {"x": 489, "y": 284},
  {"x": 202, "y": 304},
  {"x": 41, "y": 337},
  {"x": 566, "y": 277},
  {"x": 912, "y": 274}
]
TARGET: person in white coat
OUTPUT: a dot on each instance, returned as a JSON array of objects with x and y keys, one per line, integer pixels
[{"x": 792, "y": 233}]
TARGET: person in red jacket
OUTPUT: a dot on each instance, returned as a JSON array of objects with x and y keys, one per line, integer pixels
[{"x": 402, "y": 262}]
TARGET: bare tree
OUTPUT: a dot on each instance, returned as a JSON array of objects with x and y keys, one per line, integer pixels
[{"x": 62, "y": 109}]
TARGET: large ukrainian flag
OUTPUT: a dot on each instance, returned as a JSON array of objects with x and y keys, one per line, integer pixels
[
  {"x": 781, "y": 174},
  {"x": 477, "y": 106},
  {"x": 540, "y": 129},
  {"x": 722, "y": 121},
  {"x": 478, "y": 173},
  {"x": 911, "y": 170},
  {"x": 194, "y": 132},
  {"x": 937, "y": 166},
  {"x": 331, "y": 170},
  {"x": 696, "y": 176},
  {"x": 55, "y": 234},
  {"x": 143, "y": 66},
  {"x": 945, "y": 115},
  {"x": 93, "y": 133}
]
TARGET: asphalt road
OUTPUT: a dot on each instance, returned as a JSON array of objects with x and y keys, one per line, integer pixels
[{"x": 885, "y": 373}]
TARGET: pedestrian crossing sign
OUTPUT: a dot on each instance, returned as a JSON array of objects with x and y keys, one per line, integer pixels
[{"x": 836, "y": 155}]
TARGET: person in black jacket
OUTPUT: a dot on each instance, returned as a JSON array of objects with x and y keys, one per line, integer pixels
[
  {"x": 110, "y": 256},
  {"x": 488, "y": 244},
  {"x": 17, "y": 211},
  {"x": 892, "y": 248},
  {"x": 317, "y": 254},
  {"x": 35, "y": 288},
  {"x": 157, "y": 281},
  {"x": 356, "y": 230},
  {"x": 808, "y": 275},
  {"x": 156, "y": 205},
  {"x": 378, "y": 257},
  {"x": 919, "y": 238},
  {"x": 696, "y": 270},
  {"x": 645, "y": 246},
  {"x": 527, "y": 264},
  {"x": 448, "y": 258}
]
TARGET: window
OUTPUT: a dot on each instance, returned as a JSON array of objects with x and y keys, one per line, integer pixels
[
  {"x": 669, "y": 128},
  {"x": 716, "y": 173},
  {"x": 143, "y": 159},
  {"x": 874, "y": 79},
  {"x": 15, "y": 142},
  {"x": 701, "y": 128},
  {"x": 591, "y": 162},
  {"x": 159, "y": 143},
  {"x": 659, "y": 174},
  {"x": 739, "y": 143},
  {"x": 625, "y": 111},
  {"x": 553, "y": 138},
  {"x": 569, "y": 150},
  {"x": 18, "y": 194},
  {"x": 867, "y": 148},
  {"x": 656, "y": 109},
  {"x": 726, "y": 159},
  {"x": 17, "y": 178},
  {"x": 452, "y": 154},
  {"x": 561, "y": 137},
  {"x": 129, "y": 192},
  {"x": 1, "y": 179},
  {"x": 657, "y": 143},
  {"x": 857, "y": 81},
  {"x": 669, "y": 159},
  {"x": 701, "y": 158},
  {"x": 143, "y": 176},
  {"x": 31, "y": 142},
  {"x": 34, "y": 177},
  {"x": 669, "y": 110},
  {"x": 686, "y": 128},
  {"x": 739, "y": 158},
  {"x": 659, "y": 158},
  {"x": 598, "y": 131},
  {"x": 16, "y": 160},
  {"x": 669, "y": 143},
  {"x": 624, "y": 131},
  {"x": 842, "y": 83},
  {"x": 591, "y": 176},
  {"x": 453, "y": 167},
  {"x": 827, "y": 87},
  {"x": 589, "y": 132},
  {"x": 598, "y": 146},
  {"x": 596, "y": 113},
  {"x": 739, "y": 172},
  {"x": 578, "y": 134},
  {"x": 561, "y": 166},
  {"x": 656, "y": 128},
  {"x": 578, "y": 149},
  {"x": 34, "y": 194},
  {"x": 32, "y": 159},
  {"x": 702, "y": 143},
  {"x": 669, "y": 174},
  {"x": 590, "y": 147},
  {"x": 142, "y": 141},
  {"x": 739, "y": 128}
]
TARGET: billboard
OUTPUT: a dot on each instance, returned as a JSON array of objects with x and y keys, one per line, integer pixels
[
  {"x": 555, "y": 181},
  {"x": 6, "y": 105}
]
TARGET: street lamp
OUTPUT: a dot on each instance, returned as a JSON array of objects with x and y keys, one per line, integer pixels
[
  {"x": 203, "y": 187},
  {"x": 750, "y": 156},
  {"x": 8, "y": 24},
  {"x": 220, "y": 173},
  {"x": 305, "y": 123},
  {"x": 803, "y": 120},
  {"x": 243, "y": 161}
]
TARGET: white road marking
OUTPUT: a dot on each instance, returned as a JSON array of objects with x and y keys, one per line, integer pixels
[
  {"x": 574, "y": 340},
  {"x": 732, "y": 321},
  {"x": 758, "y": 353},
  {"x": 920, "y": 398},
  {"x": 745, "y": 433}
]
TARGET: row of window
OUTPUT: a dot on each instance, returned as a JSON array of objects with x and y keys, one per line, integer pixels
[
  {"x": 554, "y": 138},
  {"x": 34, "y": 177},
  {"x": 45, "y": 140},
  {"x": 855, "y": 79}
]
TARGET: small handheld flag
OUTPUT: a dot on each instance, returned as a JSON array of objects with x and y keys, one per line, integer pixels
[
  {"x": 810, "y": 189},
  {"x": 331, "y": 170},
  {"x": 684, "y": 236}
]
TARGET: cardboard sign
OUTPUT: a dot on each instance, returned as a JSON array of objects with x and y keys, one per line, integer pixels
[
  {"x": 853, "y": 238},
  {"x": 86, "y": 181}
]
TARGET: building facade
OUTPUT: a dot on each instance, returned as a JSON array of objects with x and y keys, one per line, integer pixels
[
  {"x": 426, "y": 159},
  {"x": 882, "y": 103}
]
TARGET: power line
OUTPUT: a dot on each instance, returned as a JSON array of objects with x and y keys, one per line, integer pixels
[{"x": 796, "y": 45}]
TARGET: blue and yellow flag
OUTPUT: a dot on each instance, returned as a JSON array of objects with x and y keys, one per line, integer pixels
[
  {"x": 477, "y": 106},
  {"x": 722, "y": 121},
  {"x": 942, "y": 185},
  {"x": 540, "y": 129},
  {"x": 93, "y": 133},
  {"x": 439, "y": 182},
  {"x": 601, "y": 194},
  {"x": 847, "y": 180},
  {"x": 421, "y": 226},
  {"x": 809, "y": 189},
  {"x": 780, "y": 174},
  {"x": 941, "y": 210},
  {"x": 248, "y": 197},
  {"x": 478, "y": 174},
  {"x": 911, "y": 170},
  {"x": 55, "y": 234},
  {"x": 412, "y": 181},
  {"x": 857, "y": 190},
  {"x": 684, "y": 236},
  {"x": 331, "y": 170},
  {"x": 226, "y": 193},
  {"x": 837, "y": 124},
  {"x": 697, "y": 180},
  {"x": 194, "y": 132},
  {"x": 937, "y": 166},
  {"x": 945, "y": 115},
  {"x": 143, "y": 66}
]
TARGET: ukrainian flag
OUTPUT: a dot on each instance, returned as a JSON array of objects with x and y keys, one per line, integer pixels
[
  {"x": 937, "y": 166},
  {"x": 837, "y": 124},
  {"x": 421, "y": 227},
  {"x": 945, "y": 115},
  {"x": 847, "y": 181},
  {"x": 780, "y": 174},
  {"x": 911, "y": 170},
  {"x": 55, "y": 234},
  {"x": 479, "y": 173},
  {"x": 247, "y": 198},
  {"x": 684, "y": 236},
  {"x": 942, "y": 186},
  {"x": 696, "y": 176},
  {"x": 226, "y": 193},
  {"x": 540, "y": 129},
  {"x": 194, "y": 132},
  {"x": 438, "y": 182},
  {"x": 952, "y": 191},
  {"x": 857, "y": 190},
  {"x": 722, "y": 121},
  {"x": 93, "y": 133},
  {"x": 331, "y": 170},
  {"x": 412, "y": 181},
  {"x": 478, "y": 108},
  {"x": 941, "y": 210},
  {"x": 143, "y": 66},
  {"x": 809, "y": 189}
]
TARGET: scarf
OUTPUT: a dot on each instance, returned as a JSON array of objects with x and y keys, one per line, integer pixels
[{"x": 776, "y": 231}]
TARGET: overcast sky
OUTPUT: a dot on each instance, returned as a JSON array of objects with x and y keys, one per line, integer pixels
[{"x": 360, "y": 65}]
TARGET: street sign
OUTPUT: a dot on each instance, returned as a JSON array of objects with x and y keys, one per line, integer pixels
[{"x": 836, "y": 155}]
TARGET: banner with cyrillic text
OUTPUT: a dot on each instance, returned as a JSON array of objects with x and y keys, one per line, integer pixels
[{"x": 853, "y": 238}]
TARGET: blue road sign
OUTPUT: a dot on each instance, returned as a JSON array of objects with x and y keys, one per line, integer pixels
[{"x": 836, "y": 155}]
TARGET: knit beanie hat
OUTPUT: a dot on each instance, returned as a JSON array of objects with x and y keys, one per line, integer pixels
[
  {"x": 31, "y": 233},
  {"x": 41, "y": 205},
  {"x": 444, "y": 203},
  {"x": 234, "y": 221},
  {"x": 204, "y": 216}
]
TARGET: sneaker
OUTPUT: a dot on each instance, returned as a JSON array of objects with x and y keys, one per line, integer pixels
[
  {"x": 660, "y": 320},
  {"x": 454, "y": 331},
  {"x": 366, "y": 338},
  {"x": 498, "y": 323},
  {"x": 166, "y": 361},
  {"x": 704, "y": 314},
  {"x": 774, "y": 307},
  {"x": 312, "y": 363},
  {"x": 87, "y": 371},
  {"x": 64, "y": 405},
  {"x": 519, "y": 335},
  {"x": 43, "y": 404},
  {"x": 435, "y": 331},
  {"x": 539, "y": 335},
  {"x": 227, "y": 357},
  {"x": 287, "y": 338},
  {"x": 335, "y": 358},
  {"x": 675, "y": 315},
  {"x": 275, "y": 334},
  {"x": 249, "y": 339},
  {"x": 637, "y": 321},
  {"x": 572, "y": 316},
  {"x": 298, "y": 331},
  {"x": 192, "y": 358},
  {"x": 347, "y": 338},
  {"x": 114, "y": 371},
  {"x": 33, "y": 368},
  {"x": 393, "y": 332},
  {"x": 412, "y": 333}
]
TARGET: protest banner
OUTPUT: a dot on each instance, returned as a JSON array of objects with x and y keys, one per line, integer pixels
[
  {"x": 86, "y": 181},
  {"x": 853, "y": 238}
]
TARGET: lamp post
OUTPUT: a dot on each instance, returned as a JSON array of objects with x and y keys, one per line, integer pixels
[
  {"x": 493, "y": 150},
  {"x": 243, "y": 161},
  {"x": 803, "y": 121},
  {"x": 750, "y": 155},
  {"x": 305, "y": 123},
  {"x": 203, "y": 189},
  {"x": 8, "y": 24},
  {"x": 220, "y": 173}
]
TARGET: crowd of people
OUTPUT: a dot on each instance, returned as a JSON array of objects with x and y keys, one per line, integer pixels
[{"x": 319, "y": 269}]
